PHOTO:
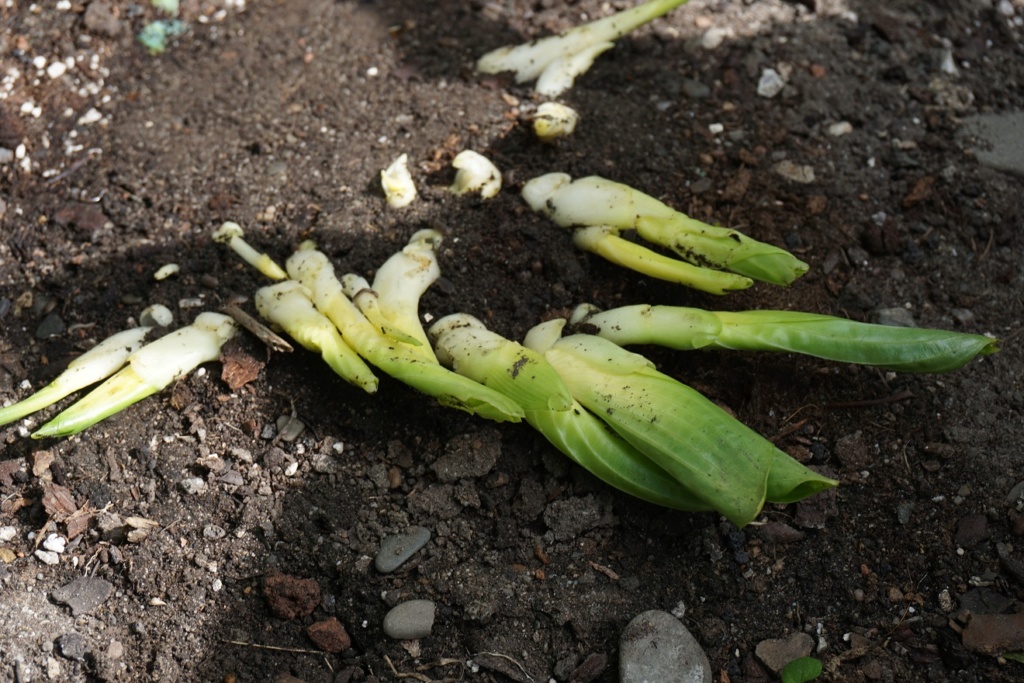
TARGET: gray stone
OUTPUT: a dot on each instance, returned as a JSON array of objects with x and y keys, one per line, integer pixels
[
  {"x": 655, "y": 646},
  {"x": 778, "y": 652},
  {"x": 395, "y": 550},
  {"x": 83, "y": 595},
  {"x": 51, "y": 326},
  {"x": 903, "y": 512},
  {"x": 47, "y": 557},
  {"x": 73, "y": 646},
  {"x": 410, "y": 620},
  {"x": 695, "y": 89},
  {"x": 999, "y": 140},
  {"x": 192, "y": 485}
]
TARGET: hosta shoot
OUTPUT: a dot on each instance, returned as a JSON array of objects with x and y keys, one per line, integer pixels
[
  {"x": 907, "y": 349},
  {"x": 597, "y": 202},
  {"x": 554, "y": 120},
  {"x": 606, "y": 243},
  {"x": 404, "y": 362},
  {"x": 148, "y": 370},
  {"x": 727, "y": 465},
  {"x": 397, "y": 183},
  {"x": 403, "y": 279},
  {"x": 475, "y": 173},
  {"x": 556, "y": 61},
  {"x": 232, "y": 235},
  {"x": 523, "y": 374},
  {"x": 94, "y": 365},
  {"x": 288, "y": 304}
]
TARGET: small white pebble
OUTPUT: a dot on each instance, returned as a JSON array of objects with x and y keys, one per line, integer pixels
[
  {"x": 841, "y": 128},
  {"x": 165, "y": 272},
  {"x": 55, "y": 543},
  {"x": 47, "y": 557},
  {"x": 714, "y": 37},
  {"x": 291, "y": 469},
  {"x": 56, "y": 69},
  {"x": 770, "y": 84},
  {"x": 716, "y": 128},
  {"x": 91, "y": 116}
]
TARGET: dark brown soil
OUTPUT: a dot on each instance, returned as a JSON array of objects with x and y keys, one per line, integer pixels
[{"x": 281, "y": 117}]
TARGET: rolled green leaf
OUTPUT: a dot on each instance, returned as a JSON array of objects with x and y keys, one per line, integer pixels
[
  {"x": 402, "y": 361},
  {"x": 605, "y": 242},
  {"x": 523, "y": 374},
  {"x": 907, "y": 349},
  {"x": 595, "y": 201},
  {"x": 94, "y": 365},
  {"x": 150, "y": 369},
  {"x": 288, "y": 304},
  {"x": 726, "y": 464}
]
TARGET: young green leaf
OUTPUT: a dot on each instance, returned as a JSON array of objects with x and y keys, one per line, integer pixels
[
  {"x": 94, "y": 365},
  {"x": 801, "y": 670},
  {"x": 907, "y": 349},
  {"x": 402, "y": 361},
  {"x": 288, "y": 304},
  {"x": 524, "y": 375},
  {"x": 148, "y": 370},
  {"x": 595, "y": 201},
  {"x": 605, "y": 242},
  {"x": 728, "y": 465}
]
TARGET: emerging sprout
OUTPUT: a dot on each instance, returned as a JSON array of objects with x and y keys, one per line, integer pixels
[
  {"x": 907, "y": 349},
  {"x": 556, "y": 61},
  {"x": 614, "y": 207},
  {"x": 723, "y": 463},
  {"x": 231, "y": 234},
  {"x": 94, "y": 365},
  {"x": 287, "y": 304},
  {"x": 476, "y": 173},
  {"x": 148, "y": 370},
  {"x": 407, "y": 363},
  {"x": 525, "y": 375},
  {"x": 156, "y": 315},
  {"x": 553, "y": 121},
  {"x": 399, "y": 189}
]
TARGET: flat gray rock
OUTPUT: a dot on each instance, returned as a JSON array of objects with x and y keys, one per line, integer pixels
[
  {"x": 410, "y": 620},
  {"x": 83, "y": 595},
  {"x": 999, "y": 140},
  {"x": 395, "y": 550},
  {"x": 656, "y": 648},
  {"x": 776, "y": 653}
]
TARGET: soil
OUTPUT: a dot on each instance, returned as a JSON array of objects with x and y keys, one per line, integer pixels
[{"x": 280, "y": 116}]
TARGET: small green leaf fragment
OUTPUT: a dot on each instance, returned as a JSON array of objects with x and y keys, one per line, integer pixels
[
  {"x": 154, "y": 36},
  {"x": 801, "y": 670}
]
